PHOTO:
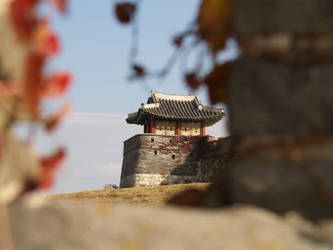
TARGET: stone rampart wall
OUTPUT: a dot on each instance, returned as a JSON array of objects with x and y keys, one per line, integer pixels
[{"x": 165, "y": 159}]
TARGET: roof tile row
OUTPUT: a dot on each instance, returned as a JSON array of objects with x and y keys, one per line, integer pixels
[{"x": 174, "y": 107}]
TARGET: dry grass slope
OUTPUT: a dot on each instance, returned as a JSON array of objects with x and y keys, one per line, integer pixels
[{"x": 156, "y": 195}]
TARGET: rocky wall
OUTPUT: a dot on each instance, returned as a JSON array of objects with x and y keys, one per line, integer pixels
[
  {"x": 280, "y": 98},
  {"x": 134, "y": 226}
]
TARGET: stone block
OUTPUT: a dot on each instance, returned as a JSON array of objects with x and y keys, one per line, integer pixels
[
  {"x": 280, "y": 177},
  {"x": 299, "y": 16},
  {"x": 140, "y": 227},
  {"x": 271, "y": 98}
]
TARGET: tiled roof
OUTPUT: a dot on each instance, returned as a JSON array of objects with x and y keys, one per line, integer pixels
[{"x": 175, "y": 107}]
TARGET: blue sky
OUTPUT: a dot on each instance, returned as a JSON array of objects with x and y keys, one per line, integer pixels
[
  {"x": 96, "y": 46},
  {"x": 95, "y": 49}
]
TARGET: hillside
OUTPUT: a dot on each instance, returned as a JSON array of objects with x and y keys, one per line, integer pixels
[{"x": 156, "y": 195}]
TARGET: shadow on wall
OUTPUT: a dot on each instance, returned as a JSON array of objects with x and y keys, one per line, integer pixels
[{"x": 207, "y": 158}]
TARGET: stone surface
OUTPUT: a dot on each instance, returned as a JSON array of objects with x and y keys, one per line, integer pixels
[
  {"x": 299, "y": 16},
  {"x": 74, "y": 226},
  {"x": 271, "y": 98},
  {"x": 280, "y": 175},
  {"x": 154, "y": 159}
]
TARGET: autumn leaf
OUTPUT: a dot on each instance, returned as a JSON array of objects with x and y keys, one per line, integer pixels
[
  {"x": 49, "y": 164},
  {"x": 26, "y": 43},
  {"x": 24, "y": 18},
  {"x": 214, "y": 20},
  {"x": 125, "y": 12},
  {"x": 57, "y": 85},
  {"x": 47, "y": 42},
  {"x": 32, "y": 84},
  {"x": 192, "y": 80},
  {"x": 8, "y": 89},
  {"x": 50, "y": 45},
  {"x": 61, "y": 5},
  {"x": 52, "y": 122},
  {"x": 216, "y": 81}
]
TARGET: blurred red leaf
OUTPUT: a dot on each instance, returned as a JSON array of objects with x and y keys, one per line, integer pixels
[
  {"x": 61, "y": 5},
  {"x": 125, "y": 12},
  {"x": 52, "y": 122},
  {"x": 9, "y": 89},
  {"x": 22, "y": 13},
  {"x": 38, "y": 44},
  {"x": 47, "y": 42},
  {"x": 216, "y": 81},
  {"x": 192, "y": 80},
  {"x": 50, "y": 45},
  {"x": 49, "y": 164},
  {"x": 57, "y": 84},
  {"x": 32, "y": 84}
]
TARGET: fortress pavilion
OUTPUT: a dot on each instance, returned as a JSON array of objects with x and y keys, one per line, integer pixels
[
  {"x": 174, "y": 147},
  {"x": 166, "y": 114}
]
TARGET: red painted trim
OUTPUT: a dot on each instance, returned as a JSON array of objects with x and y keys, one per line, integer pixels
[
  {"x": 178, "y": 128},
  {"x": 202, "y": 129},
  {"x": 153, "y": 126}
]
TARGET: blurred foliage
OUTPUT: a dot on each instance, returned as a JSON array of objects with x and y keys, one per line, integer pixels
[
  {"x": 27, "y": 43},
  {"x": 212, "y": 28}
]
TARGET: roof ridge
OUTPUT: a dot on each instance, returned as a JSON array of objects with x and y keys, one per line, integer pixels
[
  {"x": 159, "y": 95},
  {"x": 157, "y": 92},
  {"x": 150, "y": 105}
]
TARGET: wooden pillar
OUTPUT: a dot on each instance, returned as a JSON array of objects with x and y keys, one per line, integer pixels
[
  {"x": 178, "y": 128},
  {"x": 153, "y": 126},
  {"x": 148, "y": 127},
  {"x": 145, "y": 128},
  {"x": 202, "y": 129}
]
